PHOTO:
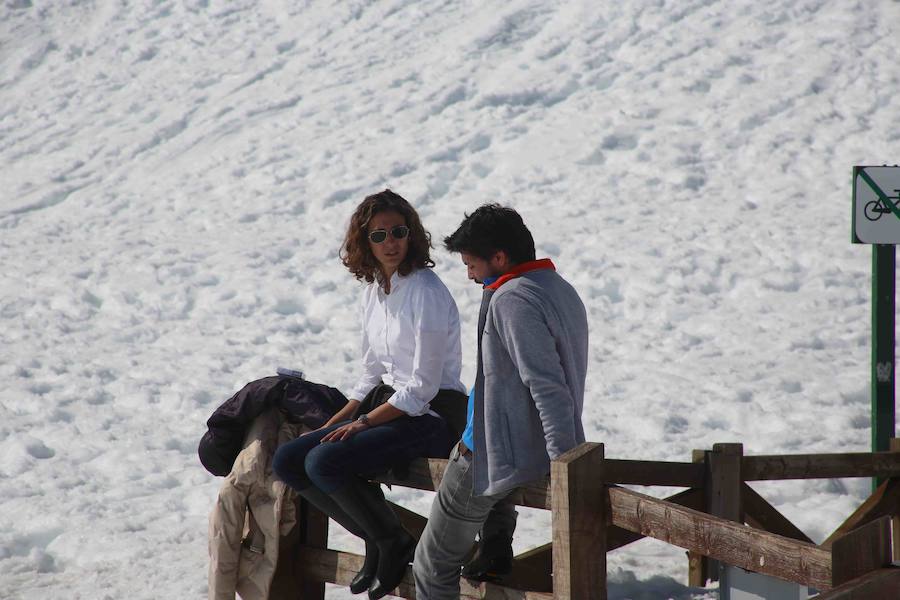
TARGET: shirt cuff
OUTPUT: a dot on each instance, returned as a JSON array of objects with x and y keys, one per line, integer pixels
[
  {"x": 409, "y": 404},
  {"x": 361, "y": 389}
]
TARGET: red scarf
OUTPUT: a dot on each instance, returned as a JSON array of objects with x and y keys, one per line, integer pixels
[{"x": 525, "y": 267}]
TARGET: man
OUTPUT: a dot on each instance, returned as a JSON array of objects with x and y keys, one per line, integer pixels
[{"x": 526, "y": 406}]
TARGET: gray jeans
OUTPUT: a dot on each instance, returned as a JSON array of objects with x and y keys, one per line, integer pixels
[{"x": 457, "y": 515}]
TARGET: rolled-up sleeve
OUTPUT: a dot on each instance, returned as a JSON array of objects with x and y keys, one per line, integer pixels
[{"x": 431, "y": 322}]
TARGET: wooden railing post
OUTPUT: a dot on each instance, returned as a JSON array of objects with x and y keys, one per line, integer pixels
[
  {"x": 724, "y": 488},
  {"x": 314, "y": 534},
  {"x": 578, "y": 502},
  {"x": 861, "y": 551},
  {"x": 698, "y": 566},
  {"x": 723, "y": 499}
]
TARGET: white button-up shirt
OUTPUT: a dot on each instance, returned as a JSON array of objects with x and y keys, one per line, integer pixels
[{"x": 410, "y": 341}]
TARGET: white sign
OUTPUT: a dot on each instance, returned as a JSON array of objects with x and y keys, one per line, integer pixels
[
  {"x": 738, "y": 584},
  {"x": 876, "y": 205}
]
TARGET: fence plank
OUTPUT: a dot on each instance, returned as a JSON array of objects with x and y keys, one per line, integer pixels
[
  {"x": 285, "y": 581},
  {"x": 723, "y": 489},
  {"x": 616, "y": 537},
  {"x": 489, "y": 591},
  {"x": 646, "y": 472},
  {"x": 532, "y": 570},
  {"x": 412, "y": 521},
  {"x": 865, "y": 549},
  {"x": 313, "y": 533},
  {"x": 426, "y": 474},
  {"x": 579, "y": 524},
  {"x": 332, "y": 566},
  {"x": 821, "y": 466},
  {"x": 883, "y": 583},
  {"x": 340, "y": 568},
  {"x": 762, "y": 515},
  {"x": 884, "y": 501},
  {"x": 698, "y": 565},
  {"x": 727, "y": 541},
  {"x": 423, "y": 474}
]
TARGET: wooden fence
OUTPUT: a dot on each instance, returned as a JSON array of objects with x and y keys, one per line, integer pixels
[{"x": 717, "y": 518}]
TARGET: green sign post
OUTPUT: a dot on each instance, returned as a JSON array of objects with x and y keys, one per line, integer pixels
[
  {"x": 883, "y": 274},
  {"x": 876, "y": 221}
]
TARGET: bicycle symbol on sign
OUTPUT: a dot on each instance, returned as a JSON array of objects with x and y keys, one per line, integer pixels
[{"x": 874, "y": 209}]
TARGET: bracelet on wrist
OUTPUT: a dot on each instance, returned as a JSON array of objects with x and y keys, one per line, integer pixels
[{"x": 364, "y": 419}]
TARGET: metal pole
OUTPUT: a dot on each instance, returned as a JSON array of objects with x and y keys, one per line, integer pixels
[{"x": 883, "y": 306}]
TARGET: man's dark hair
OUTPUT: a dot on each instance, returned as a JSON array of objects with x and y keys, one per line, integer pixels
[{"x": 491, "y": 228}]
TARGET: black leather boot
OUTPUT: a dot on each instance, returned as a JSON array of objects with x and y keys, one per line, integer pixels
[
  {"x": 327, "y": 505},
  {"x": 394, "y": 557},
  {"x": 492, "y": 560},
  {"x": 364, "y": 503},
  {"x": 364, "y": 578}
]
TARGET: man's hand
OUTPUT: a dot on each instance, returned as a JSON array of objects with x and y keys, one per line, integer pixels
[{"x": 345, "y": 432}]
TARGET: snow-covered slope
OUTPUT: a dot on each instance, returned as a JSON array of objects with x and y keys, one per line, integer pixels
[{"x": 175, "y": 178}]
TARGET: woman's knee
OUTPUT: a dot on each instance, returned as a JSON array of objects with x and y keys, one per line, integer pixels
[
  {"x": 317, "y": 463},
  {"x": 281, "y": 462},
  {"x": 287, "y": 464},
  {"x": 329, "y": 466}
]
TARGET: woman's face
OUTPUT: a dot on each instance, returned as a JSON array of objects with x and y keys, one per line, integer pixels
[{"x": 392, "y": 251}]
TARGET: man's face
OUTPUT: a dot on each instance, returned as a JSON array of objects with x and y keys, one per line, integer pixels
[{"x": 478, "y": 269}]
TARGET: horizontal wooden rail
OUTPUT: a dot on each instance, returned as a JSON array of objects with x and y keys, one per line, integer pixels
[
  {"x": 333, "y": 566},
  {"x": 422, "y": 474},
  {"x": 820, "y": 466},
  {"x": 721, "y": 539},
  {"x": 618, "y": 537},
  {"x": 532, "y": 570},
  {"x": 426, "y": 474},
  {"x": 883, "y": 583},
  {"x": 646, "y": 472}
]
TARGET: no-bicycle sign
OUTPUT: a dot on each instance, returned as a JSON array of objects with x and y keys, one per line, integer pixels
[{"x": 876, "y": 205}]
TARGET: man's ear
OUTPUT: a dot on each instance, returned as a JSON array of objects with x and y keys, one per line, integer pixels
[{"x": 500, "y": 260}]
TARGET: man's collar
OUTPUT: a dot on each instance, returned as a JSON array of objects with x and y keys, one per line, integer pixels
[{"x": 525, "y": 267}]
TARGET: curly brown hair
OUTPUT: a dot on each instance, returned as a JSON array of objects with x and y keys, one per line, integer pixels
[{"x": 357, "y": 255}]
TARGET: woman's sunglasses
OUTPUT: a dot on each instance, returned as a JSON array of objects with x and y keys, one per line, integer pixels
[{"x": 376, "y": 236}]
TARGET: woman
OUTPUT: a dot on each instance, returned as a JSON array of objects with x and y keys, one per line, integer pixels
[{"x": 411, "y": 360}]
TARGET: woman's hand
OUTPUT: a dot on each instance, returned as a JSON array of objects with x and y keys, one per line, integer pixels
[
  {"x": 384, "y": 413},
  {"x": 345, "y": 432},
  {"x": 342, "y": 415}
]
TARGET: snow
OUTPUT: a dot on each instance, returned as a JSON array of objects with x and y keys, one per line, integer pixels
[{"x": 175, "y": 178}]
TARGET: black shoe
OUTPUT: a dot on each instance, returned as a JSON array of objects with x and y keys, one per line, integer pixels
[
  {"x": 492, "y": 560},
  {"x": 398, "y": 554},
  {"x": 327, "y": 505},
  {"x": 364, "y": 503},
  {"x": 366, "y": 575}
]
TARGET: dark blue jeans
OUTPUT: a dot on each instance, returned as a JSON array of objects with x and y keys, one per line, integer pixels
[{"x": 331, "y": 465}]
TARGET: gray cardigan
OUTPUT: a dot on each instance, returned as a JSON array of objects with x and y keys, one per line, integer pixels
[{"x": 529, "y": 389}]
